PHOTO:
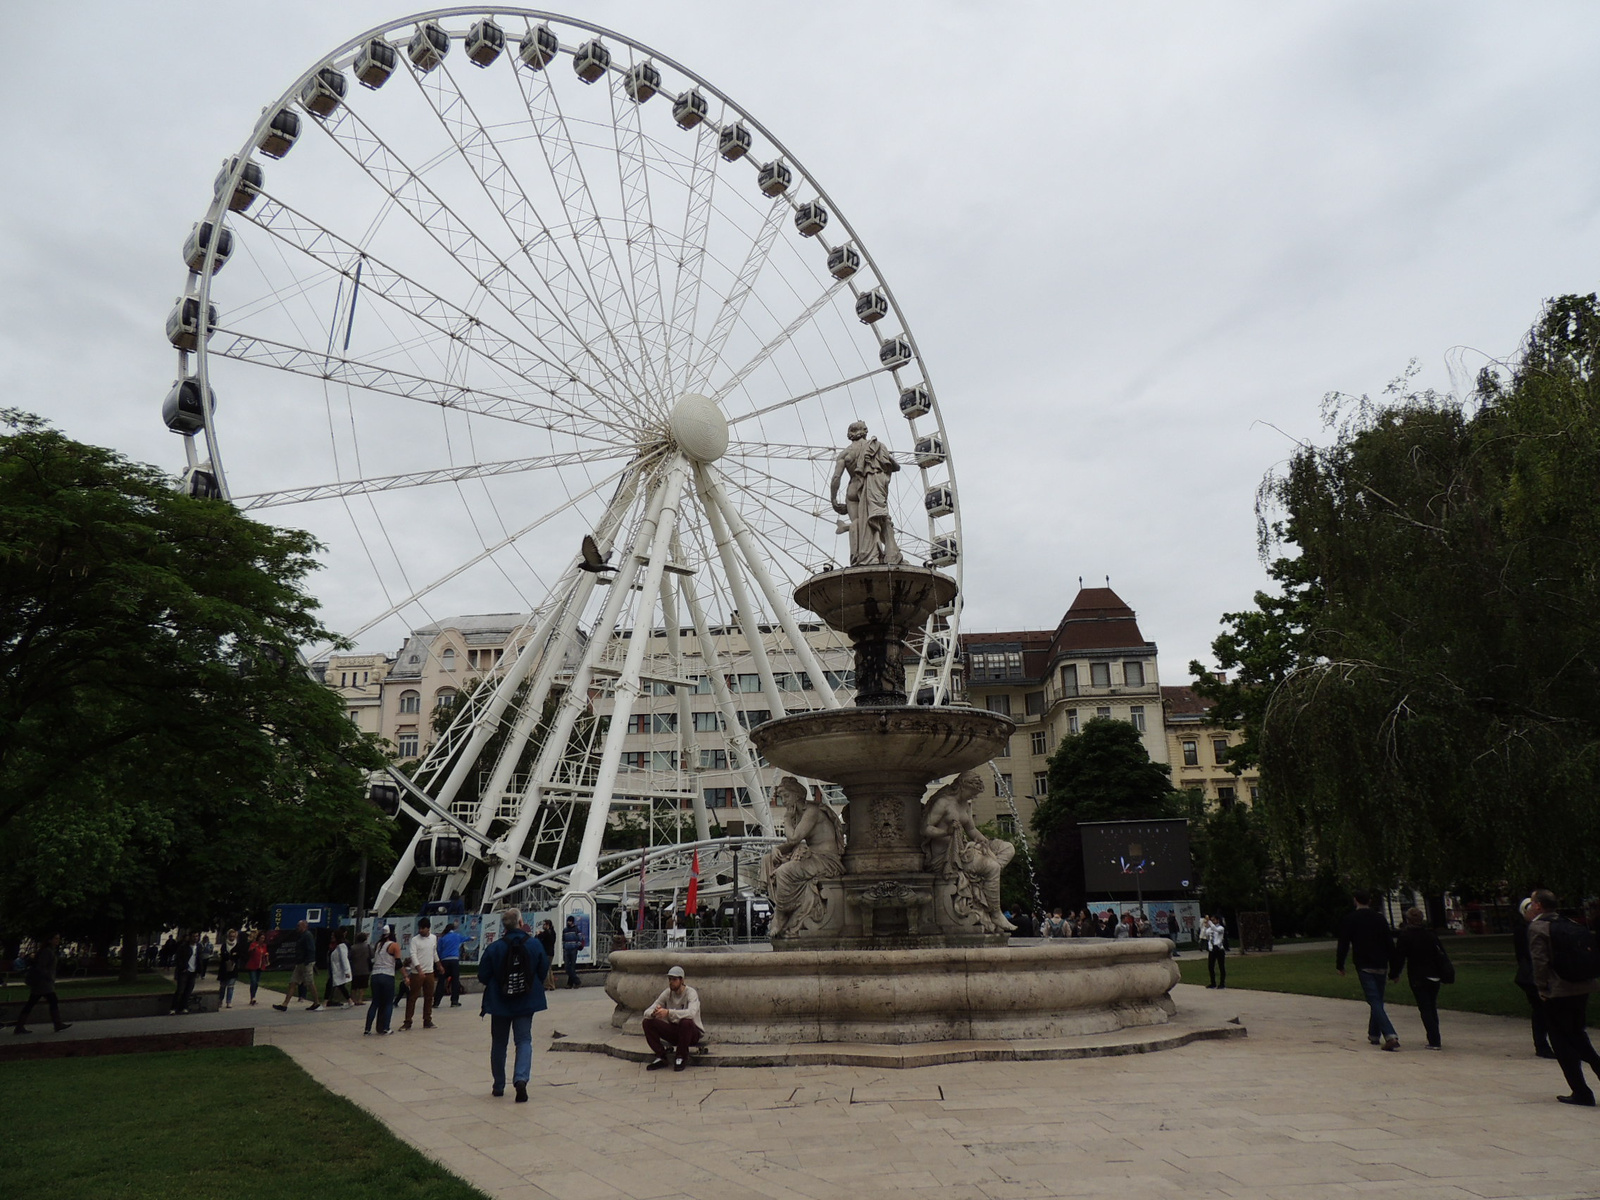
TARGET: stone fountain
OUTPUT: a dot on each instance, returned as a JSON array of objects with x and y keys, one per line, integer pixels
[{"x": 890, "y": 930}]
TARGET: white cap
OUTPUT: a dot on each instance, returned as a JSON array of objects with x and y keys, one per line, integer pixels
[{"x": 674, "y": 972}]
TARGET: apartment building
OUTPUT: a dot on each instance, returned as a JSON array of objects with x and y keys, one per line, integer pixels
[{"x": 1197, "y": 750}]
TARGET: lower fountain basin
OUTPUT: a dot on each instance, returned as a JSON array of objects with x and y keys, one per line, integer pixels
[
  {"x": 897, "y": 997},
  {"x": 850, "y": 745}
]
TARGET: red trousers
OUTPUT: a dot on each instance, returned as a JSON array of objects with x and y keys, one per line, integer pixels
[{"x": 678, "y": 1034}]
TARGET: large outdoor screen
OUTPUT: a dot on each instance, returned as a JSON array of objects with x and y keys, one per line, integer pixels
[{"x": 1134, "y": 856}]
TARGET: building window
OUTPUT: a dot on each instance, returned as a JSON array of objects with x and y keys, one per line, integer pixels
[
  {"x": 841, "y": 679},
  {"x": 1035, "y": 704},
  {"x": 1072, "y": 720},
  {"x": 1133, "y": 674},
  {"x": 750, "y": 718},
  {"x": 408, "y": 745},
  {"x": 996, "y": 662},
  {"x": 1219, "y": 750},
  {"x": 1191, "y": 753},
  {"x": 447, "y": 660},
  {"x": 1100, "y": 674},
  {"x": 744, "y": 683},
  {"x": 1005, "y": 786},
  {"x": 1255, "y": 794},
  {"x": 1006, "y": 824},
  {"x": 660, "y": 687},
  {"x": 713, "y": 760},
  {"x": 1069, "y": 679},
  {"x": 1136, "y": 715},
  {"x": 998, "y": 704},
  {"x": 702, "y": 684},
  {"x": 355, "y": 716},
  {"x": 410, "y": 702},
  {"x": 718, "y": 797},
  {"x": 444, "y": 698},
  {"x": 1225, "y": 796},
  {"x": 1036, "y": 742},
  {"x": 1005, "y": 750},
  {"x": 1104, "y": 711},
  {"x": 707, "y": 722},
  {"x": 1041, "y": 783}
]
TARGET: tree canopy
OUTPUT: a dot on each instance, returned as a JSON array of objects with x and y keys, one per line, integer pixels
[
  {"x": 1102, "y": 773},
  {"x": 1423, "y": 692},
  {"x": 163, "y": 755}
]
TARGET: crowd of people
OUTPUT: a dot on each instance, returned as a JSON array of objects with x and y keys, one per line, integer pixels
[{"x": 1086, "y": 924}]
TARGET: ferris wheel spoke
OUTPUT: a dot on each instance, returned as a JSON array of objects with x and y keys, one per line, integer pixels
[
  {"x": 583, "y": 220},
  {"x": 521, "y": 217},
  {"x": 488, "y": 552},
  {"x": 802, "y": 397},
  {"x": 455, "y": 325},
  {"x": 317, "y": 364},
  {"x": 733, "y": 303},
  {"x": 435, "y": 217},
  {"x": 800, "y": 451},
  {"x": 781, "y": 339},
  {"x": 456, "y": 474},
  {"x": 689, "y": 279}
]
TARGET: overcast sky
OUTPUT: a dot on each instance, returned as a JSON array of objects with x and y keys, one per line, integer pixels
[{"x": 1137, "y": 242}]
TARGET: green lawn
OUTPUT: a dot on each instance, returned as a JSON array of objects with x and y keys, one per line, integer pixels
[
  {"x": 1484, "y": 970},
  {"x": 199, "y": 1124}
]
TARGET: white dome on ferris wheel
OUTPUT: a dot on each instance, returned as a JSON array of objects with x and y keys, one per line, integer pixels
[{"x": 514, "y": 312}]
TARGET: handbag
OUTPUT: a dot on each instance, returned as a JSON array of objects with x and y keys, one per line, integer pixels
[{"x": 1447, "y": 969}]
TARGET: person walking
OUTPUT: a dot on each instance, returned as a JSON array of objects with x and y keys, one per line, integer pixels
[
  {"x": 450, "y": 966},
  {"x": 672, "y": 1024},
  {"x": 227, "y": 968},
  {"x": 512, "y": 971},
  {"x": 41, "y": 981},
  {"x": 425, "y": 963},
  {"x": 1418, "y": 950},
  {"x": 1566, "y": 1001},
  {"x": 360, "y": 969},
  {"x": 1365, "y": 937},
  {"x": 1214, "y": 937},
  {"x": 1524, "y": 980},
  {"x": 185, "y": 969},
  {"x": 305, "y": 968},
  {"x": 385, "y": 961},
  {"x": 205, "y": 956},
  {"x": 571, "y": 944},
  {"x": 256, "y": 961},
  {"x": 338, "y": 970},
  {"x": 547, "y": 939}
]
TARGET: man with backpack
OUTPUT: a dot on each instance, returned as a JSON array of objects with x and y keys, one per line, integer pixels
[
  {"x": 571, "y": 944},
  {"x": 512, "y": 971},
  {"x": 1565, "y": 973}
]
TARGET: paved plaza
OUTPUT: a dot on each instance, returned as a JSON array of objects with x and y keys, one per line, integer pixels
[{"x": 1303, "y": 1108}]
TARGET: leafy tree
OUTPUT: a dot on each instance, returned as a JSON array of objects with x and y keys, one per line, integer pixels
[
  {"x": 163, "y": 757},
  {"x": 1423, "y": 694},
  {"x": 1102, "y": 773}
]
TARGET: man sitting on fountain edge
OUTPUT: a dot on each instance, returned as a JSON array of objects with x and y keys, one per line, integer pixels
[{"x": 674, "y": 1019}]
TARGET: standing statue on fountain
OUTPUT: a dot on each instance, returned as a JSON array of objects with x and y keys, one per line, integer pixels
[
  {"x": 955, "y": 849},
  {"x": 869, "y": 464},
  {"x": 812, "y": 852}
]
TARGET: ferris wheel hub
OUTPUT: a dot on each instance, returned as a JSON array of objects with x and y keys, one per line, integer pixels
[{"x": 699, "y": 427}]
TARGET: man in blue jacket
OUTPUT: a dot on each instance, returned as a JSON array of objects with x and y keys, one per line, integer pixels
[{"x": 512, "y": 971}]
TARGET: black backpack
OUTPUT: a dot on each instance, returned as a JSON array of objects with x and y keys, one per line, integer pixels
[
  {"x": 1573, "y": 953},
  {"x": 518, "y": 980}
]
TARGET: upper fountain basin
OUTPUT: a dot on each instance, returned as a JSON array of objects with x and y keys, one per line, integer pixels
[
  {"x": 849, "y": 745},
  {"x": 859, "y": 598}
]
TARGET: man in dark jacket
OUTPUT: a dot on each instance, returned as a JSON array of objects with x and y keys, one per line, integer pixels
[
  {"x": 185, "y": 969},
  {"x": 41, "y": 981},
  {"x": 1365, "y": 937},
  {"x": 1524, "y": 979},
  {"x": 305, "y": 968},
  {"x": 515, "y": 964},
  {"x": 571, "y": 944},
  {"x": 1566, "y": 1002}
]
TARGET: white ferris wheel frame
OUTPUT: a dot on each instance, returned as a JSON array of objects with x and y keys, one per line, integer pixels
[{"x": 646, "y": 565}]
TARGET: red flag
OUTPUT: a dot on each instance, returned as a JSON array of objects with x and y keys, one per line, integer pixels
[{"x": 694, "y": 886}]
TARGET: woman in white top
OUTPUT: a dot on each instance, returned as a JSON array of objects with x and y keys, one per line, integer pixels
[
  {"x": 338, "y": 969},
  {"x": 385, "y": 961}
]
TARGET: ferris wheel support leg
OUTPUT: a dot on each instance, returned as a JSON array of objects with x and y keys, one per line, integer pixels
[
  {"x": 738, "y": 737},
  {"x": 711, "y": 488},
  {"x": 398, "y": 878},
  {"x": 749, "y": 621},
  {"x": 575, "y": 702},
  {"x": 688, "y": 743},
  {"x": 586, "y": 870}
]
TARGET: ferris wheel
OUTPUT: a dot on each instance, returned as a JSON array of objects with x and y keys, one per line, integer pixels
[{"x": 514, "y": 313}]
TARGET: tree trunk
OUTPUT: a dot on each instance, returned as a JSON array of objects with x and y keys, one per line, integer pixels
[{"x": 130, "y": 952}]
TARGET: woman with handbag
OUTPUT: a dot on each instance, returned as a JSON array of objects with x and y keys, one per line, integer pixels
[{"x": 1418, "y": 949}]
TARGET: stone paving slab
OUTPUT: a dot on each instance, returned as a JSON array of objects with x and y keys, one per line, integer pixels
[{"x": 1302, "y": 1109}]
